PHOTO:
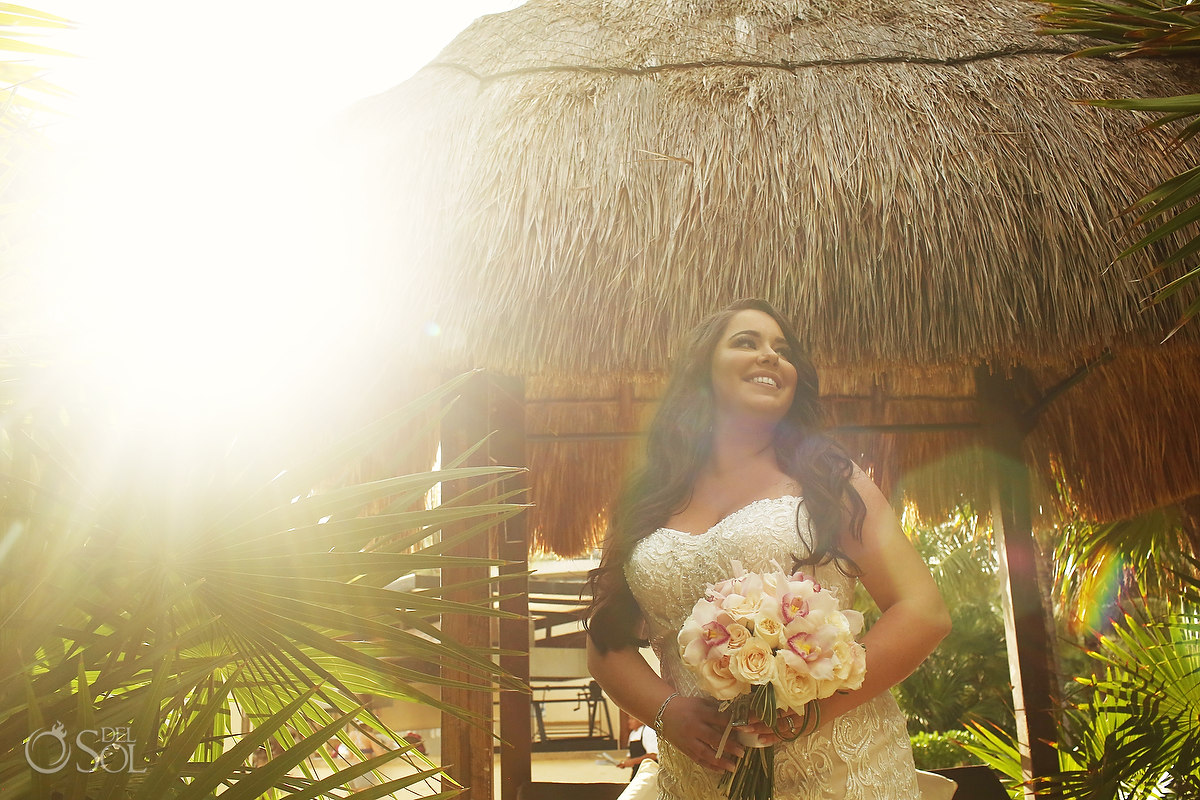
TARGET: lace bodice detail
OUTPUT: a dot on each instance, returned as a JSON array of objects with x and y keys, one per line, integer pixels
[{"x": 862, "y": 755}]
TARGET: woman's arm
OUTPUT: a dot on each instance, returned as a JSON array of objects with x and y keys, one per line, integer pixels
[
  {"x": 692, "y": 724},
  {"x": 914, "y": 617}
]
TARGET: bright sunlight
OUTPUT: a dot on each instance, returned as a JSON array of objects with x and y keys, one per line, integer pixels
[{"x": 195, "y": 262}]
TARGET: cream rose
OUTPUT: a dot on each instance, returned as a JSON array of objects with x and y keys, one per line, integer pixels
[
  {"x": 843, "y": 660},
  {"x": 850, "y": 665},
  {"x": 739, "y": 634},
  {"x": 744, "y": 606},
  {"x": 746, "y": 597},
  {"x": 793, "y": 688},
  {"x": 775, "y": 583},
  {"x": 753, "y": 662},
  {"x": 769, "y": 630},
  {"x": 719, "y": 681}
]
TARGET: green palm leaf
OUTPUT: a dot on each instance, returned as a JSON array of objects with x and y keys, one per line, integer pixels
[
  {"x": 1150, "y": 28},
  {"x": 1137, "y": 737},
  {"x": 166, "y": 610},
  {"x": 1145, "y": 553}
]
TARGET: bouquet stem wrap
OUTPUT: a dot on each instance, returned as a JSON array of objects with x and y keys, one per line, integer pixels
[
  {"x": 754, "y": 777},
  {"x": 766, "y": 642}
]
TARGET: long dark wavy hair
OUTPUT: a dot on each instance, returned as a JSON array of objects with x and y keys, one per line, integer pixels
[{"x": 678, "y": 446}]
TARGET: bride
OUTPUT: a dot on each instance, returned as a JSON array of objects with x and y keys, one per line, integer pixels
[{"x": 737, "y": 469}]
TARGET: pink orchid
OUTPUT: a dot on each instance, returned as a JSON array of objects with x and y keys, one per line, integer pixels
[
  {"x": 805, "y": 645},
  {"x": 793, "y": 606},
  {"x": 713, "y": 634}
]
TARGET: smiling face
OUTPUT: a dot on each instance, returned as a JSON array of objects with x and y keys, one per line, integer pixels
[{"x": 752, "y": 373}]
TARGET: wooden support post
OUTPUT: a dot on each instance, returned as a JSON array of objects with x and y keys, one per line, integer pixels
[
  {"x": 507, "y": 412},
  {"x": 1030, "y": 652},
  {"x": 467, "y": 748}
]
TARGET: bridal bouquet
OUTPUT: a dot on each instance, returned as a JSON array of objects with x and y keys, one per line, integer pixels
[{"x": 766, "y": 642}]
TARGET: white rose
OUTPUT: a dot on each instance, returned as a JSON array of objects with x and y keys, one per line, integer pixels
[
  {"x": 744, "y": 606},
  {"x": 739, "y": 634},
  {"x": 793, "y": 688},
  {"x": 775, "y": 583},
  {"x": 719, "y": 681},
  {"x": 842, "y": 660},
  {"x": 769, "y": 630},
  {"x": 753, "y": 662}
]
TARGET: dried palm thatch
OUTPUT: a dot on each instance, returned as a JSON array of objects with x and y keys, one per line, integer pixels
[
  {"x": 574, "y": 184},
  {"x": 1127, "y": 439},
  {"x": 933, "y": 468},
  {"x": 1122, "y": 440},
  {"x": 574, "y": 480}
]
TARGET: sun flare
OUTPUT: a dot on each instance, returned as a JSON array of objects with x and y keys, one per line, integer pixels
[{"x": 194, "y": 257}]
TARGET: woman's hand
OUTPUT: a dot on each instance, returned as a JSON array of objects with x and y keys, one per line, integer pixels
[
  {"x": 695, "y": 727},
  {"x": 790, "y": 724},
  {"x": 692, "y": 724}
]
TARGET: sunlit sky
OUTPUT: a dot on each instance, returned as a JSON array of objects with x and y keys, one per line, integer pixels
[
  {"x": 180, "y": 261},
  {"x": 252, "y": 62}
]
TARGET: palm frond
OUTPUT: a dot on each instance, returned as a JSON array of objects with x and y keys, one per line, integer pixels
[
  {"x": 130, "y": 611},
  {"x": 1098, "y": 564},
  {"x": 1150, "y": 28},
  {"x": 1137, "y": 735}
]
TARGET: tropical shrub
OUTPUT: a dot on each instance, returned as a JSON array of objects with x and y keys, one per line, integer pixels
[
  {"x": 966, "y": 678},
  {"x": 940, "y": 750},
  {"x": 1099, "y": 566},
  {"x": 1138, "y": 734}
]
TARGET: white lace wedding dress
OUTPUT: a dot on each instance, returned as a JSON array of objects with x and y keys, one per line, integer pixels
[{"x": 861, "y": 755}]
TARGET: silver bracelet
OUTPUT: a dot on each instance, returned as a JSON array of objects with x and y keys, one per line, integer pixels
[{"x": 658, "y": 718}]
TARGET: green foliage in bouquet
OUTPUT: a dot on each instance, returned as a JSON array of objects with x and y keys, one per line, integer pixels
[
  {"x": 753, "y": 778},
  {"x": 206, "y": 607}
]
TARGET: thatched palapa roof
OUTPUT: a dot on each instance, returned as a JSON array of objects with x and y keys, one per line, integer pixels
[{"x": 580, "y": 182}]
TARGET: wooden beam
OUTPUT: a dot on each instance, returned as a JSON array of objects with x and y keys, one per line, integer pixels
[
  {"x": 575, "y": 401},
  {"x": 576, "y": 640},
  {"x": 1030, "y": 417},
  {"x": 507, "y": 407},
  {"x": 1030, "y": 653},
  {"x": 466, "y": 424},
  {"x": 584, "y": 437},
  {"x": 916, "y": 427}
]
